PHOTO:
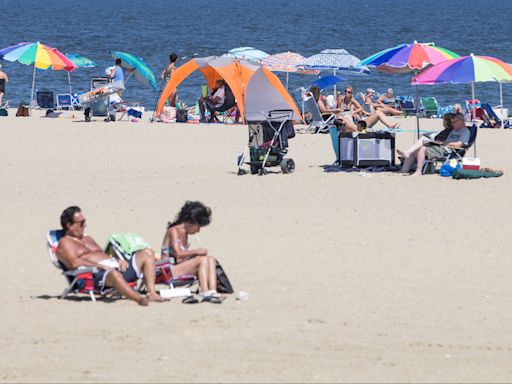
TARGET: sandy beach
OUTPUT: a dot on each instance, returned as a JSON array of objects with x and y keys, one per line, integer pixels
[{"x": 383, "y": 278}]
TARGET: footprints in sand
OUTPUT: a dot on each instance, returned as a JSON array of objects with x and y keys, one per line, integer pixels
[{"x": 460, "y": 347}]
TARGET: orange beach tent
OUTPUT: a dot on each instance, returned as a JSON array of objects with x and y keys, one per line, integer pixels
[{"x": 255, "y": 88}]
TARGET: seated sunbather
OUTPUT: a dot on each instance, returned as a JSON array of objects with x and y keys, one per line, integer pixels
[
  {"x": 421, "y": 150},
  {"x": 187, "y": 261},
  {"x": 212, "y": 102},
  {"x": 76, "y": 249},
  {"x": 386, "y": 103},
  {"x": 348, "y": 105}
]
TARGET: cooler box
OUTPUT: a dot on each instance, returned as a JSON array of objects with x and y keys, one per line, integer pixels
[
  {"x": 471, "y": 163},
  {"x": 366, "y": 149},
  {"x": 99, "y": 107}
]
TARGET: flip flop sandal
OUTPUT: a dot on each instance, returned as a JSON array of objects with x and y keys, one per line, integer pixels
[
  {"x": 190, "y": 300},
  {"x": 212, "y": 299}
]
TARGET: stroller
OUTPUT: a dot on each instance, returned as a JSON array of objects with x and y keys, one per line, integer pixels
[{"x": 268, "y": 143}]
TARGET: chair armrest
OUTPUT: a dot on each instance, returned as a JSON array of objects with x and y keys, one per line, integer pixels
[{"x": 80, "y": 270}]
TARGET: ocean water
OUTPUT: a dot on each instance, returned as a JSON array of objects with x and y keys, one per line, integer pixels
[{"x": 154, "y": 29}]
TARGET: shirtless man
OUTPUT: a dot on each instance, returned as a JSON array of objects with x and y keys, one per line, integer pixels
[{"x": 77, "y": 249}]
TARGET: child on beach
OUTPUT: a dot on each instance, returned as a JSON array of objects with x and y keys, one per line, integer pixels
[{"x": 187, "y": 261}]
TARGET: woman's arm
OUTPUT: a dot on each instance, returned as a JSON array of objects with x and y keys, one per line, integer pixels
[
  {"x": 323, "y": 109},
  {"x": 176, "y": 242}
]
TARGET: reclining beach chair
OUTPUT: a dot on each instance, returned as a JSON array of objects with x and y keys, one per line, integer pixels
[
  {"x": 78, "y": 280},
  {"x": 319, "y": 123},
  {"x": 64, "y": 102},
  {"x": 406, "y": 105},
  {"x": 453, "y": 153},
  {"x": 493, "y": 116},
  {"x": 429, "y": 106}
]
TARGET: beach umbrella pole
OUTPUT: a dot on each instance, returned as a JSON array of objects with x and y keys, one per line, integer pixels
[
  {"x": 417, "y": 104},
  {"x": 69, "y": 83},
  {"x": 501, "y": 105},
  {"x": 474, "y": 113},
  {"x": 286, "y": 80},
  {"x": 33, "y": 84}
]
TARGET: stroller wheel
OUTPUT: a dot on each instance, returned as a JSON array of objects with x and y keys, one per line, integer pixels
[
  {"x": 255, "y": 169},
  {"x": 262, "y": 171},
  {"x": 287, "y": 165},
  {"x": 241, "y": 172}
]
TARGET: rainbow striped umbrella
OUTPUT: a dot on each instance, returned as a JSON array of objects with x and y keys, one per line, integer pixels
[
  {"x": 408, "y": 57},
  {"x": 468, "y": 69},
  {"x": 40, "y": 56}
]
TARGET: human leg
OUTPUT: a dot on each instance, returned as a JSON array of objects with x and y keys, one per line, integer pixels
[
  {"x": 420, "y": 159},
  {"x": 409, "y": 162},
  {"x": 414, "y": 148},
  {"x": 194, "y": 266},
  {"x": 145, "y": 262},
  {"x": 388, "y": 111},
  {"x": 379, "y": 116},
  {"x": 115, "y": 279},
  {"x": 200, "y": 103},
  {"x": 1, "y": 97}
]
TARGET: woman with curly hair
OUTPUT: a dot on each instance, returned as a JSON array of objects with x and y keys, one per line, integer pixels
[{"x": 187, "y": 261}]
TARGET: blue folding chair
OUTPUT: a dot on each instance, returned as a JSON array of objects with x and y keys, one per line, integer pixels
[
  {"x": 64, "y": 101},
  {"x": 406, "y": 105}
]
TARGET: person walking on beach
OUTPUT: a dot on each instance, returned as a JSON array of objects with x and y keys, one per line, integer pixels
[
  {"x": 117, "y": 75},
  {"x": 4, "y": 79},
  {"x": 166, "y": 76},
  {"x": 185, "y": 260},
  {"x": 76, "y": 249}
]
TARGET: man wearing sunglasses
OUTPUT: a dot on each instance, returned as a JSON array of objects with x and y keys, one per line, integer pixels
[{"x": 76, "y": 249}]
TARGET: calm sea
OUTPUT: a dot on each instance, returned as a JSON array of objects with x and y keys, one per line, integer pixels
[{"x": 153, "y": 29}]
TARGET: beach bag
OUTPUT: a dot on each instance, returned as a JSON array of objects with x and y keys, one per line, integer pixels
[
  {"x": 22, "y": 111},
  {"x": 3, "y": 112},
  {"x": 181, "y": 116},
  {"x": 223, "y": 283},
  {"x": 447, "y": 169}
]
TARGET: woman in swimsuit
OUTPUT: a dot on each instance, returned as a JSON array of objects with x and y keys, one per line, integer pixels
[
  {"x": 347, "y": 103},
  {"x": 386, "y": 104},
  {"x": 166, "y": 76},
  {"x": 350, "y": 125},
  {"x": 187, "y": 261},
  {"x": 3, "y": 80}
]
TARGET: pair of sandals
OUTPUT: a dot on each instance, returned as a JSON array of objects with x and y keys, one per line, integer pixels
[{"x": 206, "y": 297}]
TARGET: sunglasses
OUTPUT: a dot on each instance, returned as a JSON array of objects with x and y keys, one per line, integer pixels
[
  {"x": 82, "y": 223},
  {"x": 347, "y": 91}
]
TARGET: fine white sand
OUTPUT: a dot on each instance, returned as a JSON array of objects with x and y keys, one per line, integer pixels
[{"x": 374, "y": 279}]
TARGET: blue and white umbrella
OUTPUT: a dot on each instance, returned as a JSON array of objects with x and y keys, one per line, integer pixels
[
  {"x": 247, "y": 53},
  {"x": 336, "y": 60}
]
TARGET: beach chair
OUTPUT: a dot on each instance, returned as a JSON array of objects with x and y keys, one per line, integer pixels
[
  {"x": 319, "y": 123},
  {"x": 407, "y": 105},
  {"x": 75, "y": 102},
  {"x": 64, "y": 101},
  {"x": 473, "y": 109},
  {"x": 453, "y": 153},
  {"x": 493, "y": 116},
  {"x": 78, "y": 280},
  {"x": 227, "y": 107},
  {"x": 429, "y": 106},
  {"x": 4, "y": 108},
  {"x": 441, "y": 111},
  {"x": 45, "y": 99}
]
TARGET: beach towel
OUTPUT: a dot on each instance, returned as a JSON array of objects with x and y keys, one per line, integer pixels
[
  {"x": 461, "y": 173},
  {"x": 129, "y": 242}
]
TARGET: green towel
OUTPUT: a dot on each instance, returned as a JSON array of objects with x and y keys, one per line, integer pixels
[
  {"x": 460, "y": 173},
  {"x": 129, "y": 242}
]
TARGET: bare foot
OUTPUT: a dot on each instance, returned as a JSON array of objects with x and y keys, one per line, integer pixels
[
  {"x": 143, "y": 301},
  {"x": 156, "y": 298},
  {"x": 416, "y": 174}
]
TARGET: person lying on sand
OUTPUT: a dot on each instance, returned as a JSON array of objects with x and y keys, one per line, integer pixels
[
  {"x": 76, "y": 249},
  {"x": 457, "y": 138},
  {"x": 56, "y": 115},
  {"x": 192, "y": 217}
]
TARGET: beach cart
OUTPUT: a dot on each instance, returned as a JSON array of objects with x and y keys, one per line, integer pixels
[{"x": 268, "y": 144}]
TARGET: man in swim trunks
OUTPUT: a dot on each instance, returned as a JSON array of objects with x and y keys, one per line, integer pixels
[{"x": 76, "y": 249}]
